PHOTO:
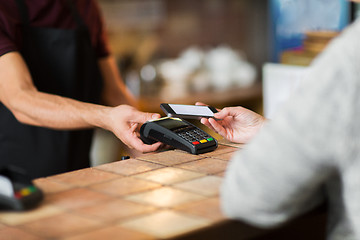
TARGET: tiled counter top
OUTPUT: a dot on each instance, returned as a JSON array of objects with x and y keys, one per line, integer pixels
[{"x": 157, "y": 196}]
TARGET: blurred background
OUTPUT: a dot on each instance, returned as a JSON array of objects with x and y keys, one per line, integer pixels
[
  {"x": 182, "y": 51},
  {"x": 251, "y": 53}
]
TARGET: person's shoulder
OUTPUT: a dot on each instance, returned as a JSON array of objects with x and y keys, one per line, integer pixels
[
  {"x": 87, "y": 3},
  {"x": 356, "y": 23},
  {"x": 345, "y": 45},
  {"x": 9, "y": 21},
  {"x": 352, "y": 30},
  {"x": 6, "y": 4},
  {"x": 88, "y": 8},
  {"x": 8, "y": 9}
]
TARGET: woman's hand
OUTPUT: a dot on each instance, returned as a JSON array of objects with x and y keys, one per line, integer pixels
[{"x": 236, "y": 124}]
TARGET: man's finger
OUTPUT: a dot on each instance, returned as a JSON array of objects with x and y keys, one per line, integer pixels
[
  {"x": 139, "y": 145},
  {"x": 142, "y": 117}
]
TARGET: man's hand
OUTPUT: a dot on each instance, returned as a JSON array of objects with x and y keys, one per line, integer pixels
[
  {"x": 30, "y": 106},
  {"x": 125, "y": 122},
  {"x": 236, "y": 124}
]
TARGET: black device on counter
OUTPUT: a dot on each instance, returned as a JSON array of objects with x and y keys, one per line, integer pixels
[
  {"x": 178, "y": 133},
  {"x": 188, "y": 111},
  {"x": 17, "y": 192}
]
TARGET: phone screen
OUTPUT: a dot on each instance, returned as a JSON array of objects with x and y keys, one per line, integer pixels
[{"x": 192, "y": 110}]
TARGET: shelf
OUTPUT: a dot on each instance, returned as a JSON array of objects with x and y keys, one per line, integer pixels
[{"x": 214, "y": 98}]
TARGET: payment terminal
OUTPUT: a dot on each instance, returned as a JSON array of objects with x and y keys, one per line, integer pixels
[
  {"x": 178, "y": 133},
  {"x": 17, "y": 191}
]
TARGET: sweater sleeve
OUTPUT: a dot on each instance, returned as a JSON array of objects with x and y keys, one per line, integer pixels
[
  {"x": 281, "y": 173},
  {"x": 7, "y": 30}
]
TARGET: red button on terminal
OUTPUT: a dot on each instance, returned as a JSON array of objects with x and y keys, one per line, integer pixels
[{"x": 18, "y": 195}]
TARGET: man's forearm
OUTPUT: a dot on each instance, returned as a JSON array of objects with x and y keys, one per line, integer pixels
[
  {"x": 52, "y": 111},
  {"x": 29, "y": 106}
]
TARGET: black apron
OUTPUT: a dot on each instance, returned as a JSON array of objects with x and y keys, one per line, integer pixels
[{"x": 61, "y": 62}]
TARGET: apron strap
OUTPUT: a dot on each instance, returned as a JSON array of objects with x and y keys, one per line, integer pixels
[
  {"x": 24, "y": 12},
  {"x": 75, "y": 13}
]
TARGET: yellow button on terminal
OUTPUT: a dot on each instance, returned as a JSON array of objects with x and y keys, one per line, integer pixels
[{"x": 25, "y": 192}]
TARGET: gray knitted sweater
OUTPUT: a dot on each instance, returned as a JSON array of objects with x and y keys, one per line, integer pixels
[{"x": 310, "y": 151}]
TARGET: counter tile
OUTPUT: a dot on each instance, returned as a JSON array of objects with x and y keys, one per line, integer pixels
[
  {"x": 208, "y": 208},
  {"x": 170, "y": 158},
  {"x": 164, "y": 197},
  {"x": 169, "y": 175},
  {"x": 48, "y": 186},
  {"x": 220, "y": 174},
  {"x": 114, "y": 210},
  {"x": 231, "y": 144},
  {"x": 155, "y": 196},
  {"x": 221, "y": 149},
  {"x": 206, "y": 165},
  {"x": 83, "y": 177},
  {"x": 75, "y": 198},
  {"x": 129, "y": 167},
  {"x": 207, "y": 186},
  {"x": 124, "y": 186},
  {"x": 60, "y": 226},
  {"x": 17, "y": 218},
  {"x": 10, "y": 233},
  {"x": 112, "y": 233},
  {"x": 172, "y": 224},
  {"x": 224, "y": 156}
]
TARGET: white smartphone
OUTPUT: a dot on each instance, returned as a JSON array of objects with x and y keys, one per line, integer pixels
[{"x": 188, "y": 111}]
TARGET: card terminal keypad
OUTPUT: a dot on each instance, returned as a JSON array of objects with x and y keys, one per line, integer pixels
[{"x": 194, "y": 135}]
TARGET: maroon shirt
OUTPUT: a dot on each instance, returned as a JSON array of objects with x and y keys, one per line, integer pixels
[{"x": 51, "y": 14}]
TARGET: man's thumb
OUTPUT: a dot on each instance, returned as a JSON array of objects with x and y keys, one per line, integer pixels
[{"x": 144, "y": 116}]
